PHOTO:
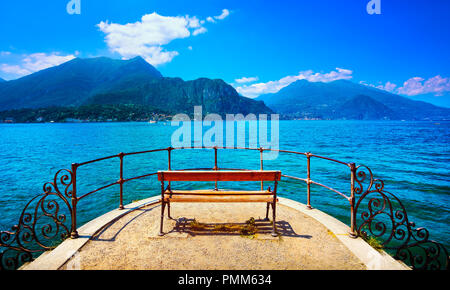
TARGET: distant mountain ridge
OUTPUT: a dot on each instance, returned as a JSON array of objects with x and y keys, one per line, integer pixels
[
  {"x": 344, "y": 99},
  {"x": 2, "y": 80},
  {"x": 107, "y": 81}
]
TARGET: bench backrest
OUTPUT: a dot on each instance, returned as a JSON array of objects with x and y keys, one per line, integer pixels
[{"x": 248, "y": 175}]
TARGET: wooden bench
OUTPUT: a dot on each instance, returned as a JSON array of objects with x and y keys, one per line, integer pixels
[{"x": 168, "y": 195}]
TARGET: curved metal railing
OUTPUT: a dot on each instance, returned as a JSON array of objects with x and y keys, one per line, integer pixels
[{"x": 383, "y": 216}]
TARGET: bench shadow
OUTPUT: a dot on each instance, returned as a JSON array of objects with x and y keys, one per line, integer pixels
[
  {"x": 190, "y": 227},
  {"x": 263, "y": 227},
  {"x": 97, "y": 235}
]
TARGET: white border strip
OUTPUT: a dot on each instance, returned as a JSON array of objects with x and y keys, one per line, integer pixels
[{"x": 373, "y": 259}]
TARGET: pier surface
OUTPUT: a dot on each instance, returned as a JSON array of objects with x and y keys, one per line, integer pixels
[{"x": 214, "y": 241}]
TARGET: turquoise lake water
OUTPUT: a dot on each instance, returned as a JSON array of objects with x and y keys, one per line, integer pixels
[{"x": 413, "y": 159}]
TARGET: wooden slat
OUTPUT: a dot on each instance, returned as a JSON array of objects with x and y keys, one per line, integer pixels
[
  {"x": 253, "y": 175},
  {"x": 217, "y": 192},
  {"x": 219, "y": 198}
]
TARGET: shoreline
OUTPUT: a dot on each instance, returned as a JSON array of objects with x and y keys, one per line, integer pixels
[{"x": 168, "y": 121}]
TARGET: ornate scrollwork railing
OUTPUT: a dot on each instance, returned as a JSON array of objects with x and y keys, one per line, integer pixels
[
  {"x": 42, "y": 223},
  {"x": 384, "y": 218}
]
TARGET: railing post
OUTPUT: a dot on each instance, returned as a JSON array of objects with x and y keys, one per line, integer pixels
[
  {"x": 73, "y": 230},
  {"x": 308, "y": 180},
  {"x": 121, "y": 180},
  {"x": 261, "y": 150},
  {"x": 353, "y": 232},
  {"x": 215, "y": 166}
]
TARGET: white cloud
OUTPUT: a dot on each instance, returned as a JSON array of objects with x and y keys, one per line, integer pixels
[
  {"x": 35, "y": 62},
  {"x": 190, "y": 47},
  {"x": 147, "y": 37},
  {"x": 14, "y": 69},
  {"x": 225, "y": 13},
  {"x": 39, "y": 61},
  {"x": 246, "y": 80},
  {"x": 254, "y": 90},
  {"x": 417, "y": 86},
  {"x": 210, "y": 19},
  {"x": 390, "y": 87},
  {"x": 193, "y": 22}
]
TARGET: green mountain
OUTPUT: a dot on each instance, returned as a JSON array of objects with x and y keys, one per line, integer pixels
[
  {"x": 71, "y": 83},
  {"x": 347, "y": 100},
  {"x": 177, "y": 95},
  {"x": 363, "y": 107},
  {"x": 104, "y": 81}
]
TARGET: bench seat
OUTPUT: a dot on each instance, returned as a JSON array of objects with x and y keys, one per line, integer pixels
[{"x": 218, "y": 192}]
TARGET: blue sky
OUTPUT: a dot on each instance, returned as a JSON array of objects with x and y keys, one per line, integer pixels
[{"x": 257, "y": 46}]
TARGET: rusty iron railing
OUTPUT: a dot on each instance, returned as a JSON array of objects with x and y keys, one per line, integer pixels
[{"x": 383, "y": 217}]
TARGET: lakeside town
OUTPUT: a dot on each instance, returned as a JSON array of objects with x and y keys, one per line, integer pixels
[
  {"x": 154, "y": 119},
  {"x": 86, "y": 114},
  {"x": 102, "y": 113}
]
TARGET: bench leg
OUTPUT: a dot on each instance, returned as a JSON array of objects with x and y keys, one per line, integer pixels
[
  {"x": 163, "y": 205},
  {"x": 267, "y": 212},
  {"x": 274, "y": 229}
]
